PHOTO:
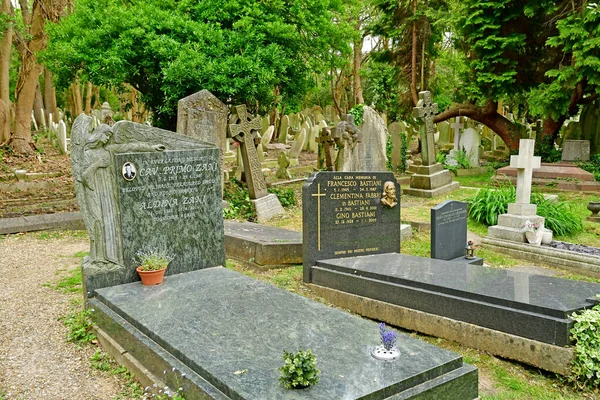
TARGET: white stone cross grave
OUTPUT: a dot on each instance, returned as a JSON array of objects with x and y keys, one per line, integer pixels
[
  {"x": 426, "y": 110},
  {"x": 525, "y": 162},
  {"x": 457, "y": 126}
]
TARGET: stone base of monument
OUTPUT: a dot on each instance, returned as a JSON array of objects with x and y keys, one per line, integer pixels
[
  {"x": 511, "y": 225},
  {"x": 429, "y": 181},
  {"x": 472, "y": 261},
  {"x": 267, "y": 207},
  {"x": 261, "y": 245},
  {"x": 580, "y": 263},
  {"x": 219, "y": 334}
]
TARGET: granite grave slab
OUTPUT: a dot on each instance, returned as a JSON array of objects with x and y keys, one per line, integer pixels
[
  {"x": 215, "y": 322},
  {"x": 526, "y": 305}
]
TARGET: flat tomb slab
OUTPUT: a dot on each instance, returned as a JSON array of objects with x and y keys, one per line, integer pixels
[
  {"x": 217, "y": 321},
  {"x": 531, "y": 306},
  {"x": 553, "y": 171},
  {"x": 261, "y": 244}
]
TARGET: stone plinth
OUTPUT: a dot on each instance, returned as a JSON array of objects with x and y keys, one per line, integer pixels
[
  {"x": 430, "y": 181},
  {"x": 510, "y": 225}
]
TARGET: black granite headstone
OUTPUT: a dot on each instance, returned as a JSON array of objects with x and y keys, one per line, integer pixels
[
  {"x": 448, "y": 230},
  {"x": 173, "y": 203},
  {"x": 348, "y": 214}
]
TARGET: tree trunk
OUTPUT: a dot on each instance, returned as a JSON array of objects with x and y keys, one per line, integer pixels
[
  {"x": 413, "y": 68},
  {"x": 488, "y": 116},
  {"x": 38, "y": 106},
  {"x": 5, "y": 50},
  {"x": 134, "y": 105},
  {"x": 49, "y": 97},
  {"x": 28, "y": 80},
  {"x": 77, "y": 102},
  {"x": 88, "y": 99},
  {"x": 357, "y": 60}
]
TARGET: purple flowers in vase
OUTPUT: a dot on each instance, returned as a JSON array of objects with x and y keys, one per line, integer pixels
[{"x": 388, "y": 338}]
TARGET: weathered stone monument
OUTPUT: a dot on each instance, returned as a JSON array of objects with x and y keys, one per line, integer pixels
[
  {"x": 326, "y": 153},
  {"x": 244, "y": 130},
  {"x": 346, "y": 136},
  {"x": 470, "y": 141},
  {"x": 457, "y": 125},
  {"x": 449, "y": 232},
  {"x": 511, "y": 226},
  {"x": 576, "y": 150},
  {"x": 283, "y": 164},
  {"x": 429, "y": 179},
  {"x": 141, "y": 187},
  {"x": 204, "y": 117}
]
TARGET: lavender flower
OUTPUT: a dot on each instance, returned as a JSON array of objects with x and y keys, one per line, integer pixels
[{"x": 388, "y": 338}]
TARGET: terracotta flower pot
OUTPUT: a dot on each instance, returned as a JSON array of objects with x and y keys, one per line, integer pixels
[{"x": 150, "y": 278}]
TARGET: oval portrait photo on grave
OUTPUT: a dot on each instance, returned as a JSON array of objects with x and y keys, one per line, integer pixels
[{"x": 128, "y": 170}]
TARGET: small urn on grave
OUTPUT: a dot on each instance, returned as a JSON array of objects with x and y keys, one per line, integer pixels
[{"x": 594, "y": 207}]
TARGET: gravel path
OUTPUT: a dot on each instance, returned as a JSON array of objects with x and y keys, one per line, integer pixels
[{"x": 36, "y": 361}]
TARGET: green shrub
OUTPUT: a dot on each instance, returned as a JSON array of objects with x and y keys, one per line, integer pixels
[
  {"x": 593, "y": 166},
  {"x": 488, "y": 203},
  {"x": 547, "y": 151},
  {"x": 80, "y": 327},
  {"x": 286, "y": 196},
  {"x": 300, "y": 370},
  {"x": 240, "y": 206},
  {"x": 586, "y": 334}
]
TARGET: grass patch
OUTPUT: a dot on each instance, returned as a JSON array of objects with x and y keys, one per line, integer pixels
[
  {"x": 475, "y": 181},
  {"x": 103, "y": 362},
  {"x": 70, "y": 283},
  {"x": 418, "y": 245},
  {"x": 50, "y": 235}
]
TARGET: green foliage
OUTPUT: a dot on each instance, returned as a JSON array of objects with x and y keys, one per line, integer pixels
[
  {"x": 300, "y": 370},
  {"x": 71, "y": 283},
  {"x": 402, "y": 166},
  {"x": 488, "y": 203},
  {"x": 357, "y": 112},
  {"x": 586, "y": 334},
  {"x": 382, "y": 88},
  {"x": 463, "y": 161},
  {"x": 440, "y": 157},
  {"x": 403, "y": 153},
  {"x": 152, "y": 259},
  {"x": 80, "y": 326},
  {"x": 545, "y": 149},
  {"x": 593, "y": 166},
  {"x": 245, "y": 48},
  {"x": 388, "y": 153},
  {"x": 286, "y": 196},
  {"x": 240, "y": 206}
]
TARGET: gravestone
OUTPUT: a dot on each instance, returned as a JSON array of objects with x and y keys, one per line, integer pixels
[
  {"x": 326, "y": 156},
  {"x": 349, "y": 213},
  {"x": 61, "y": 135},
  {"x": 140, "y": 187},
  {"x": 445, "y": 134},
  {"x": 244, "y": 130},
  {"x": 396, "y": 130},
  {"x": 511, "y": 225},
  {"x": 430, "y": 179},
  {"x": 267, "y": 136},
  {"x": 283, "y": 129},
  {"x": 371, "y": 149},
  {"x": 204, "y": 117},
  {"x": 283, "y": 164},
  {"x": 298, "y": 144},
  {"x": 457, "y": 125},
  {"x": 449, "y": 232},
  {"x": 346, "y": 136},
  {"x": 576, "y": 150},
  {"x": 470, "y": 141}
]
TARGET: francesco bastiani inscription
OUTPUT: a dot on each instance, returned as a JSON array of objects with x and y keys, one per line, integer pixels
[{"x": 349, "y": 214}]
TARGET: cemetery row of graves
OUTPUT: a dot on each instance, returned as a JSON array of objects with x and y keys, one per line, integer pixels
[{"x": 140, "y": 188}]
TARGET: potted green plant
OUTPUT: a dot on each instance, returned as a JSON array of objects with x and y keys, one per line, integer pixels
[{"x": 152, "y": 265}]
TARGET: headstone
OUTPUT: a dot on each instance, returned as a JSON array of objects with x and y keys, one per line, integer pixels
[
  {"x": 267, "y": 136},
  {"x": 444, "y": 129},
  {"x": 61, "y": 135},
  {"x": 457, "y": 125},
  {"x": 283, "y": 164},
  {"x": 298, "y": 144},
  {"x": 576, "y": 150},
  {"x": 265, "y": 123},
  {"x": 326, "y": 156},
  {"x": 396, "y": 130},
  {"x": 426, "y": 110},
  {"x": 106, "y": 110},
  {"x": 449, "y": 232},
  {"x": 283, "y": 129},
  {"x": 511, "y": 225},
  {"x": 33, "y": 121},
  {"x": 244, "y": 130},
  {"x": 329, "y": 113},
  {"x": 348, "y": 214},
  {"x": 470, "y": 141},
  {"x": 372, "y": 147},
  {"x": 140, "y": 187},
  {"x": 204, "y": 117},
  {"x": 346, "y": 136}
]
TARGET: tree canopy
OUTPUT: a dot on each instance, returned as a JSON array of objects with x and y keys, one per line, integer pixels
[{"x": 242, "y": 51}]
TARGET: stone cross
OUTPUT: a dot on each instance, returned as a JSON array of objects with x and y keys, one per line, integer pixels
[
  {"x": 525, "y": 162},
  {"x": 425, "y": 110},
  {"x": 244, "y": 130},
  {"x": 457, "y": 126},
  {"x": 327, "y": 145}
]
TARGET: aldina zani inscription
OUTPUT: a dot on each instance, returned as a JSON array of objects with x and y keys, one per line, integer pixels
[{"x": 350, "y": 213}]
